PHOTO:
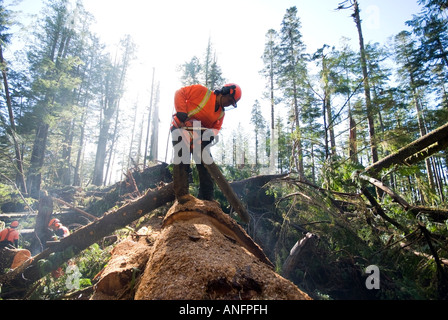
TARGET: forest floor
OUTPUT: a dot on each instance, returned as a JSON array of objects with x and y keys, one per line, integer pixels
[{"x": 321, "y": 242}]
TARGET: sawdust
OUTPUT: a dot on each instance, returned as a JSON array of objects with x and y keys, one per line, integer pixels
[{"x": 200, "y": 253}]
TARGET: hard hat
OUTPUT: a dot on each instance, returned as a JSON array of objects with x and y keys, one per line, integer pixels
[
  {"x": 235, "y": 91},
  {"x": 53, "y": 222},
  {"x": 14, "y": 224}
]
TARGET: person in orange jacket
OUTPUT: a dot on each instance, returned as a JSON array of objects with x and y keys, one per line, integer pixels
[
  {"x": 10, "y": 236},
  {"x": 198, "y": 103},
  {"x": 59, "y": 230}
]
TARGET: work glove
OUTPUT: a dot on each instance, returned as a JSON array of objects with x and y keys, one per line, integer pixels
[{"x": 182, "y": 116}]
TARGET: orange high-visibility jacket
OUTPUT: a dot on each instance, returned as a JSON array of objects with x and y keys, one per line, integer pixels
[
  {"x": 198, "y": 103},
  {"x": 9, "y": 234}
]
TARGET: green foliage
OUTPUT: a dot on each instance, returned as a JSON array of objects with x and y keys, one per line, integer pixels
[
  {"x": 10, "y": 196},
  {"x": 77, "y": 274}
]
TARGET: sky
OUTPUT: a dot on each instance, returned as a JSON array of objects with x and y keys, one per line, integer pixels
[{"x": 169, "y": 33}]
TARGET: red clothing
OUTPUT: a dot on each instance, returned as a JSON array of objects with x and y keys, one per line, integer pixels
[
  {"x": 62, "y": 231},
  {"x": 198, "y": 103},
  {"x": 9, "y": 234}
]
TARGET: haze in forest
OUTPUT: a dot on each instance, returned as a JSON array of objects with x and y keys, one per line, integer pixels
[{"x": 167, "y": 35}]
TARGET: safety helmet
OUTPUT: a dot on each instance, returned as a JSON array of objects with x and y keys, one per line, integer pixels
[
  {"x": 234, "y": 90},
  {"x": 54, "y": 222},
  {"x": 14, "y": 224}
]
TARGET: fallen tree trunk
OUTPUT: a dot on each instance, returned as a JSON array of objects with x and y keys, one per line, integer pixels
[
  {"x": 51, "y": 258},
  {"x": 421, "y": 148},
  {"x": 228, "y": 192},
  {"x": 201, "y": 253}
]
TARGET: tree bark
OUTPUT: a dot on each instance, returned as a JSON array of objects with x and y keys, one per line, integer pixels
[
  {"x": 41, "y": 231},
  {"x": 294, "y": 255},
  {"x": 373, "y": 146},
  {"x": 20, "y": 178},
  {"x": 34, "y": 178}
]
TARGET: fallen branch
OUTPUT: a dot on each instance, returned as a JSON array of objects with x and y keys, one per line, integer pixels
[
  {"x": 427, "y": 236},
  {"x": 386, "y": 189},
  {"x": 76, "y": 209},
  {"x": 438, "y": 215},
  {"x": 381, "y": 212},
  {"x": 422, "y": 254}
]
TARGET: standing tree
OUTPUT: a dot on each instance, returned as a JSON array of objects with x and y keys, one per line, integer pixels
[
  {"x": 322, "y": 59},
  {"x": 112, "y": 92},
  {"x": 292, "y": 73},
  {"x": 270, "y": 65},
  {"x": 409, "y": 57},
  {"x": 5, "y": 23},
  {"x": 208, "y": 73},
  {"x": 92, "y": 75},
  {"x": 368, "y": 101},
  {"x": 259, "y": 126},
  {"x": 190, "y": 72},
  {"x": 154, "y": 148},
  {"x": 53, "y": 78}
]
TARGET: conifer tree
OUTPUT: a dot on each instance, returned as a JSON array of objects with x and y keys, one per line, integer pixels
[
  {"x": 291, "y": 75},
  {"x": 5, "y": 23},
  {"x": 269, "y": 71},
  {"x": 112, "y": 92},
  {"x": 53, "y": 80},
  {"x": 259, "y": 126}
]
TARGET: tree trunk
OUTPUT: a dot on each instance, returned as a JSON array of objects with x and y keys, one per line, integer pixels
[
  {"x": 77, "y": 172},
  {"x": 154, "y": 152},
  {"x": 294, "y": 255},
  {"x": 369, "y": 108},
  {"x": 149, "y": 120},
  {"x": 98, "y": 171},
  {"x": 37, "y": 160},
  {"x": 422, "y": 128},
  {"x": 421, "y": 148},
  {"x": 41, "y": 231},
  {"x": 20, "y": 178}
]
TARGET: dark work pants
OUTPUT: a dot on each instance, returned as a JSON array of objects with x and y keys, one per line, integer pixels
[{"x": 180, "y": 177}]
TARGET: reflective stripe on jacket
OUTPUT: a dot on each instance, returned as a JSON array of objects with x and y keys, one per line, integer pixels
[{"x": 198, "y": 103}]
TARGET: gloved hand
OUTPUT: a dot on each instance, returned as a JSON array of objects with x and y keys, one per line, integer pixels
[{"x": 182, "y": 116}]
